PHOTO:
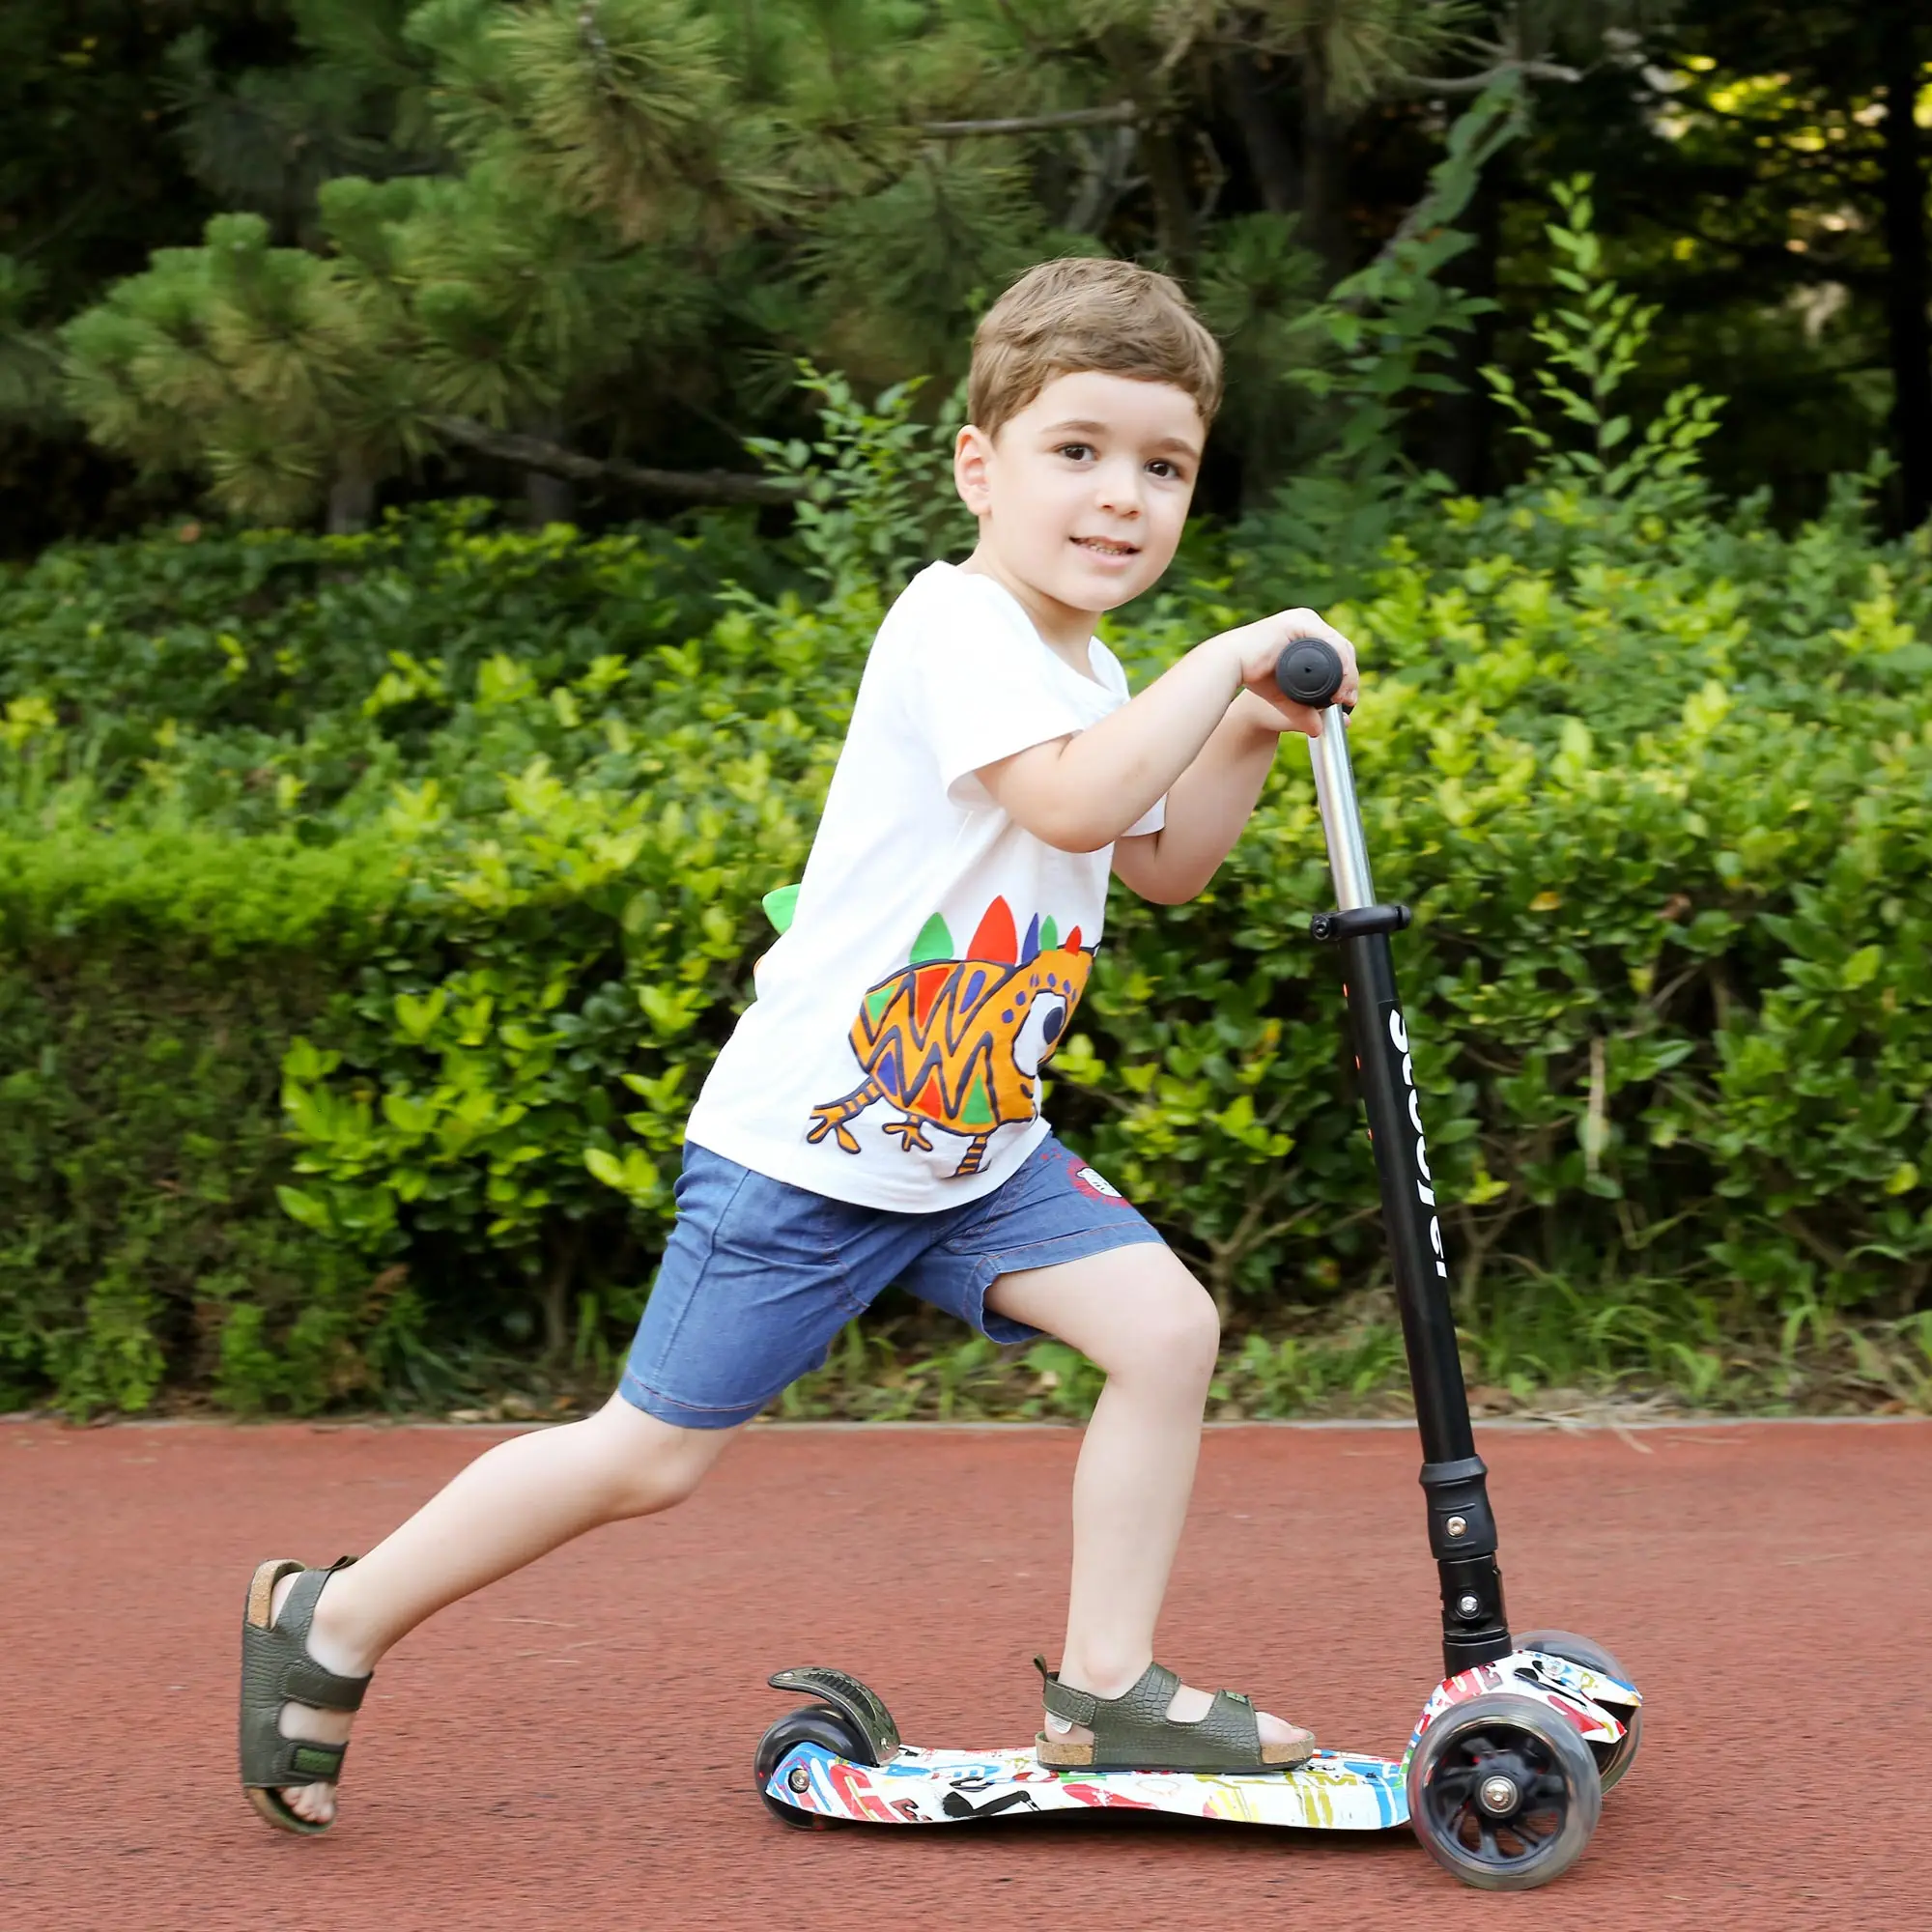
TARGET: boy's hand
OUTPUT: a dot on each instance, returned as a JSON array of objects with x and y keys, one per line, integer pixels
[{"x": 1255, "y": 648}]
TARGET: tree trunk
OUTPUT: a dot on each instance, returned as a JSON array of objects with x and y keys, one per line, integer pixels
[
  {"x": 1161, "y": 155},
  {"x": 557, "y": 1284},
  {"x": 352, "y": 499},
  {"x": 1174, "y": 205},
  {"x": 1324, "y": 137},
  {"x": 1255, "y": 104},
  {"x": 1109, "y": 165},
  {"x": 548, "y": 499},
  {"x": 1907, "y": 285}
]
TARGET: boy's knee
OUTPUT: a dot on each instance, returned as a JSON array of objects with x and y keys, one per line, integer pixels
[
  {"x": 656, "y": 1483},
  {"x": 648, "y": 1465},
  {"x": 1199, "y": 1328},
  {"x": 1180, "y": 1338}
]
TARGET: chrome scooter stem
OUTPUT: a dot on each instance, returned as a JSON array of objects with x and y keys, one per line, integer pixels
[{"x": 1341, "y": 819}]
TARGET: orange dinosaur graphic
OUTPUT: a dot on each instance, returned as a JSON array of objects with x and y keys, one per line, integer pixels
[{"x": 958, "y": 1043}]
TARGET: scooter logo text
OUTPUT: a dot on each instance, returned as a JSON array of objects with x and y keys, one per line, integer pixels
[{"x": 1399, "y": 1040}]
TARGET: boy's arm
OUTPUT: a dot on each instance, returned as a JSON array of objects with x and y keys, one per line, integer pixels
[
  {"x": 1081, "y": 793},
  {"x": 1206, "y": 807}
]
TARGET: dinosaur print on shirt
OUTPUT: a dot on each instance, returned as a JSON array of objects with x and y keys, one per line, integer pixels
[{"x": 958, "y": 1043}]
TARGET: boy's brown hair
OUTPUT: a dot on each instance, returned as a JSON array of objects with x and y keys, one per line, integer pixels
[{"x": 1077, "y": 313}]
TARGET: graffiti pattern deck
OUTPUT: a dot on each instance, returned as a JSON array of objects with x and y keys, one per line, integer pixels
[{"x": 938, "y": 1787}]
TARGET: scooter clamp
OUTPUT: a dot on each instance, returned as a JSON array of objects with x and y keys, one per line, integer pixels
[{"x": 1335, "y": 926}]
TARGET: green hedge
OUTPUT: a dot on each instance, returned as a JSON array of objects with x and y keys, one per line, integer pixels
[{"x": 358, "y": 969}]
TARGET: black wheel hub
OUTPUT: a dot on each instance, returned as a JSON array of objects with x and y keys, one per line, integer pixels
[{"x": 1499, "y": 1798}]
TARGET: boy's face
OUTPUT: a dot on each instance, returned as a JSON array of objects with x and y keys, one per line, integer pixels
[{"x": 1082, "y": 495}]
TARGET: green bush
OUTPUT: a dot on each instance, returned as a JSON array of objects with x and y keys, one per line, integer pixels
[
  {"x": 1665, "y": 831},
  {"x": 522, "y": 926},
  {"x": 1658, "y": 790},
  {"x": 267, "y": 651},
  {"x": 142, "y": 1018},
  {"x": 371, "y": 910}
]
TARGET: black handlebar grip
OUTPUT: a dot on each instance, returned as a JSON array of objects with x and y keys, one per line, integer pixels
[{"x": 1309, "y": 671}]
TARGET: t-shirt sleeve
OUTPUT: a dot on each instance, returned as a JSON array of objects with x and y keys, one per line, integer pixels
[{"x": 984, "y": 688}]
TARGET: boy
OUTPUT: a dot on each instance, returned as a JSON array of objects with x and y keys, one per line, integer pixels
[{"x": 874, "y": 1117}]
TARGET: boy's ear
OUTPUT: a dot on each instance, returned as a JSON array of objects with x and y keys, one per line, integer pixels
[{"x": 972, "y": 454}]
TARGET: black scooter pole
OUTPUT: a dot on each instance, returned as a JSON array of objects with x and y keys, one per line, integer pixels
[{"x": 1462, "y": 1531}]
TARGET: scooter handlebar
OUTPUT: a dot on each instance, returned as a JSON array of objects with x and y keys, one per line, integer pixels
[{"x": 1309, "y": 671}]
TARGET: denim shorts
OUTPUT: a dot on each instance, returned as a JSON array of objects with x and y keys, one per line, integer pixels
[{"x": 758, "y": 1277}]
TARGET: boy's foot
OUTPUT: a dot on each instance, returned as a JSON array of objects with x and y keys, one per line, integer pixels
[
  {"x": 1283, "y": 1743},
  {"x": 316, "y": 1802},
  {"x": 1188, "y": 1705}
]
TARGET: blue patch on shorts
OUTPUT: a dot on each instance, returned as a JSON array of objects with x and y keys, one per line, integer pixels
[{"x": 758, "y": 1277}]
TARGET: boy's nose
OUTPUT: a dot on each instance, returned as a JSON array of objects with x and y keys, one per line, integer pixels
[{"x": 1118, "y": 488}]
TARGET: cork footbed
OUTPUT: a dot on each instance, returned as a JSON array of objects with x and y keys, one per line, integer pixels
[{"x": 262, "y": 1589}]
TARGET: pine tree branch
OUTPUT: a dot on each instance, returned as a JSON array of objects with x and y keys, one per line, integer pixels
[
  {"x": 1037, "y": 124},
  {"x": 551, "y": 459},
  {"x": 1474, "y": 83}
]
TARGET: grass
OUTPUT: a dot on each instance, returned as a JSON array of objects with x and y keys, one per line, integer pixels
[
  {"x": 1534, "y": 1344},
  {"x": 1540, "y": 1354}
]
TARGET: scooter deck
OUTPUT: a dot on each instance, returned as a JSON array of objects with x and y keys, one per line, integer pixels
[{"x": 1334, "y": 1790}]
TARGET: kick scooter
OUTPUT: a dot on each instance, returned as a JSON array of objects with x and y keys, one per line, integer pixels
[{"x": 1504, "y": 1774}]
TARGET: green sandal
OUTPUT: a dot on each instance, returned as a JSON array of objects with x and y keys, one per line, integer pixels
[
  {"x": 1134, "y": 1732},
  {"x": 276, "y": 1669}
]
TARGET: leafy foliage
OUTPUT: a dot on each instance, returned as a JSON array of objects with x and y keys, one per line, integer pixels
[
  {"x": 1385, "y": 334},
  {"x": 1656, "y": 776},
  {"x": 1596, "y": 340},
  {"x": 140, "y": 1138},
  {"x": 876, "y": 498},
  {"x": 617, "y": 226},
  {"x": 528, "y": 215}
]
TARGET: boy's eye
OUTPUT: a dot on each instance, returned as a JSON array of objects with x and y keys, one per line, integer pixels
[
  {"x": 1075, "y": 450},
  {"x": 1161, "y": 466}
]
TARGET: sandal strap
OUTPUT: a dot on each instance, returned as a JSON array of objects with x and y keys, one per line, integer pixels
[
  {"x": 1073, "y": 1707},
  {"x": 1134, "y": 1727},
  {"x": 277, "y": 1669},
  {"x": 306, "y": 1681},
  {"x": 299, "y": 1761},
  {"x": 1155, "y": 1688}
]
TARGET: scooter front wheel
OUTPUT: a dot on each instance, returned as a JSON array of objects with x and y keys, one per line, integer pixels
[
  {"x": 814, "y": 1724},
  {"x": 1503, "y": 1792},
  {"x": 1617, "y": 1759}
]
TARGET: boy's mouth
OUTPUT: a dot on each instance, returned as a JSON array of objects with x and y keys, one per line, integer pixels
[{"x": 1107, "y": 547}]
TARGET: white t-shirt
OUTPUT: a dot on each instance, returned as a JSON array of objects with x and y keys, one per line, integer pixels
[{"x": 937, "y": 948}]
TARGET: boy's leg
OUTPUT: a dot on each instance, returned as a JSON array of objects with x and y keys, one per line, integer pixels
[
  {"x": 1137, "y": 1314},
  {"x": 513, "y": 1504},
  {"x": 756, "y": 1279}
]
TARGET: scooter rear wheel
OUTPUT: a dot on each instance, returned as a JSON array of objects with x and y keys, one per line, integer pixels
[
  {"x": 1503, "y": 1792},
  {"x": 1612, "y": 1760},
  {"x": 814, "y": 1724}
]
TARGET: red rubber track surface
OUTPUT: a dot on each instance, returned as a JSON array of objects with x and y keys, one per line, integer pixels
[{"x": 573, "y": 1747}]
